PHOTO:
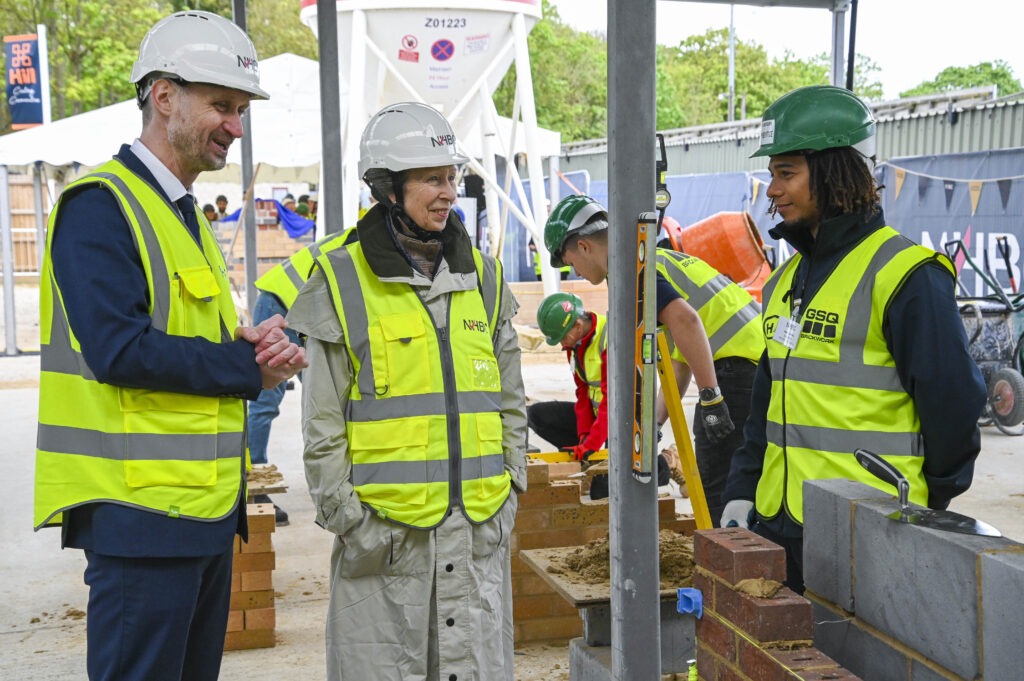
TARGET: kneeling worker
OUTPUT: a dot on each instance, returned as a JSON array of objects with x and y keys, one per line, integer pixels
[{"x": 580, "y": 427}]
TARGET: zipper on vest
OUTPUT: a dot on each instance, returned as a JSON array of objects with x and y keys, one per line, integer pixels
[{"x": 451, "y": 396}]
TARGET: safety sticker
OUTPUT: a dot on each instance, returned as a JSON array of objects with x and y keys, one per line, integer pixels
[
  {"x": 442, "y": 50},
  {"x": 768, "y": 131}
]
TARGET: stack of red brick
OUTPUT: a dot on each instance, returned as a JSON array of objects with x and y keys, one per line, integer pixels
[
  {"x": 552, "y": 514},
  {"x": 747, "y": 638},
  {"x": 251, "y": 619}
]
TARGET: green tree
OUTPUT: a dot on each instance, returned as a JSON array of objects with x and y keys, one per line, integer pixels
[
  {"x": 570, "y": 79},
  {"x": 998, "y": 73}
]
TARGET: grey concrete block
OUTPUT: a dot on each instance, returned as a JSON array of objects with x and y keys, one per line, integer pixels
[
  {"x": 856, "y": 648},
  {"x": 597, "y": 625},
  {"x": 589, "y": 663},
  {"x": 920, "y": 585},
  {"x": 828, "y": 536},
  {"x": 1002, "y": 629},
  {"x": 678, "y": 639},
  {"x": 678, "y": 634}
]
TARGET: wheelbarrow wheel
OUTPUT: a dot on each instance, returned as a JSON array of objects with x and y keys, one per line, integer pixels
[{"x": 1006, "y": 399}]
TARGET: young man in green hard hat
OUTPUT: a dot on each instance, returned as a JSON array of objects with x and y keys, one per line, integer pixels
[
  {"x": 712, "y": 322},
  {"x": 864, "y": 338}
]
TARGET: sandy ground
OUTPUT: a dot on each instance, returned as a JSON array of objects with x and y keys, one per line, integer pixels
[{"x": 42, "y": 624}]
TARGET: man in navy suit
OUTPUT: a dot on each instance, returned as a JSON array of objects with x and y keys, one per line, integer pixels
[{"x": 141, "y": 448}]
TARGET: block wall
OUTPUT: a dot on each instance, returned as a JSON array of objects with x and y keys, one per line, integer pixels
[
  {"x": 900, "y": 602},
  {"x": 552, "y": 513},
  {"x": 251, "y": 618},
  {"x": 746, "y": 638}
]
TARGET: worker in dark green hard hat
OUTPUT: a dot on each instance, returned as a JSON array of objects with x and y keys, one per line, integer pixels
[
  {"x": 713, "y": 325},
  {"x": 864, "y": 339},
  {"x": 579, "y": 427}
]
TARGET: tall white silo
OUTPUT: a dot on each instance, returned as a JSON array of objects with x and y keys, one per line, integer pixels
[{"x": 452, "y": 57}]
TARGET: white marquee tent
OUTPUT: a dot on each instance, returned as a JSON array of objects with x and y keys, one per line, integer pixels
[{"x": 285, "y": 131}]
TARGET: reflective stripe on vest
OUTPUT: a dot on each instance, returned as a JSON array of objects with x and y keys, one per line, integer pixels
[
  {"x": 170, "y": 453},
  {"x": 592, "y": 362},
  {"x": 839, "y": 389},
  {"x": 285, "y": 279},
  {"x": 731, "y": 317},
  {"x": 424, "y": 410}
]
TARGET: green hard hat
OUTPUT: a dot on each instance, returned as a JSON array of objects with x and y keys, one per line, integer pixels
[
  {"x": 815, "y": 118},
  {"x": 569, "y": 217},
  {"x": 556, "y": 315}
]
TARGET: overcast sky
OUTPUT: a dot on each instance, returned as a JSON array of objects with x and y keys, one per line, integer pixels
[{"x": 910, "y": 40}]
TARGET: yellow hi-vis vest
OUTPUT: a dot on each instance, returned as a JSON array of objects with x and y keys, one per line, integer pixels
[
  {"x": 424, "y": 410},
  {"x": 730, "y": 315},
  {"x": 839, "y": 390},
  {"x": 591, "y": 370},
  {"x": 285, "y": 279},
  {"x": 169, "y": 453}
]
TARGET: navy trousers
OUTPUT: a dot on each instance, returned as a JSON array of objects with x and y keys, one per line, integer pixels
[{"x": 157, "y": 619}]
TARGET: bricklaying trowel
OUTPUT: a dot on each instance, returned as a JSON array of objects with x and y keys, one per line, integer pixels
[{"x": 947, "y": 521}]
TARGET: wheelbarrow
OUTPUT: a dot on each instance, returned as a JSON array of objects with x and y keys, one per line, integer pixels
[{"x": 994, "y": 323}]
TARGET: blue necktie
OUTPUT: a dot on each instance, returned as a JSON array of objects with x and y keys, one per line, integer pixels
[{"x": 187, "y": 206}]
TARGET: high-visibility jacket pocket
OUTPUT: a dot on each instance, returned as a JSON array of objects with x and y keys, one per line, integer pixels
[
  {"x": 408, "y": 354},
  {"x": 194, "y": 291}
]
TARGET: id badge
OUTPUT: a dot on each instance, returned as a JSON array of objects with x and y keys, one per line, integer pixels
[{"x": 787, "y": 332}]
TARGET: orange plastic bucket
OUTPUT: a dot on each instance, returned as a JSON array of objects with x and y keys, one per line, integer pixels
[{"x": 731, "y": 244}]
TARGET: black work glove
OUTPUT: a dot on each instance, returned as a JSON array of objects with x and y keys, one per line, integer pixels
[{"x": 717, "y": 423}]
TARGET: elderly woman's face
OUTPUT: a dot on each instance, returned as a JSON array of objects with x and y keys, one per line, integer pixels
[{"x": 429, "y": 194}]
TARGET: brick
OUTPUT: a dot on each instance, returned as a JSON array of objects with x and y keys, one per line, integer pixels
[
  {"x": 260, "y": 618},
  {"x": 580, "y": 515},
  {"x": 558, "y": 492},
  {"x": 551, "y": 538},
  {"x": 682, "y": 524},
  {"x": 257, "y": 581},
  {"x": 532, "y": 520},
  {"x": 249, "y": 639},
  {"x": 595, "y": 532},
  {"x": 758, "y": 663},
  {"x": 549, "y": 628},
  {"x": 910, "y": 574},
  {"x": 236, "y": 546},
  {"x": 706, "y": 583},
  {"x": 531, "y": 585},
  {"x": 261, "y": 518},
  {"x": 532, "y": 607},
  {"x": 828, "y": 536},
  {"x": 258, "y": 543},
  {"x": 536, "y": 474},
  {"x": 236, "y": 620},
  {"x": 1002, "y": 593},
  {"x": 784, "y": 617},
  {"x": 560, "y": 471},
  {"x": 236, "y": 582},
  {"x": 250, "y": 600},
  {"x": 735, "y": 554},
  {"x": 714, "y": 633},
  {"x": 252, "y": 562},
  {"x": 666, "y": 508},
  {"x": 804, "y": 659},
  {"x": 838, "y": 674}
]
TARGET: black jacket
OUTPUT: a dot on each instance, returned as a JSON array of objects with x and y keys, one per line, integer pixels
[{"x": 926, "y": 337}]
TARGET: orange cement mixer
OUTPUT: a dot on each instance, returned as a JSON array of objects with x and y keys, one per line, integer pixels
[{"x": 731, "y": 244}]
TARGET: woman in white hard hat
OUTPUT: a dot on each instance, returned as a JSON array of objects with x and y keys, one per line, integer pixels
[{"x": 414, "y": 421}]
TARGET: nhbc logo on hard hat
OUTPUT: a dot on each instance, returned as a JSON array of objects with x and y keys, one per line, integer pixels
[
  {"x": 249, "y": 64},
  {"x": 442, "y": 141}
]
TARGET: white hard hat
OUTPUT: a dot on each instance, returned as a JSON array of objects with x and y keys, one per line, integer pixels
[
  {"x": 408, "y": 135},
  {"x": 200, "y": 47}
]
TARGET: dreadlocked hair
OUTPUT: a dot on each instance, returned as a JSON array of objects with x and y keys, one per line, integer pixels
[{"x": 841, "y": 182}]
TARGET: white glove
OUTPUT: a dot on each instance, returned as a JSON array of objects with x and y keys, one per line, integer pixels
[{"x": 736, "y": 513}]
